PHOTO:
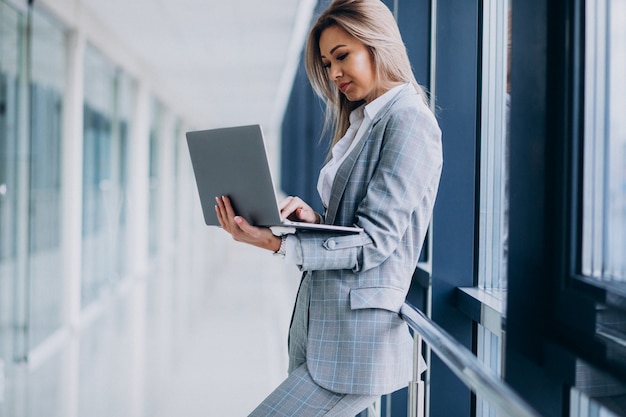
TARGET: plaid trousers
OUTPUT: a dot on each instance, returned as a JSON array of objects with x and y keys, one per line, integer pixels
[{"x": 299, "y": 395}]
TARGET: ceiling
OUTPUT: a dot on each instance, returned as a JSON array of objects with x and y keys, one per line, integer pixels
[{"x": 228, "y": 62}]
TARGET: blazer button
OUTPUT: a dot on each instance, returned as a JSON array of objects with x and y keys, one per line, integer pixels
[{"x": 332, "y": 244}]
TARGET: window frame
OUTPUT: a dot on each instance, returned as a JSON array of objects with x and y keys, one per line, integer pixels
[
  {"x": 552, "y": 317},
  {"x": 578, "y": 288}
]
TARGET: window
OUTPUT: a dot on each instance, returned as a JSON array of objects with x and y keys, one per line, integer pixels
[
  {"x": 107, "y": 112},
  {"x": 602, "y": 262},
  {"x": 48, "y": 70},
  {"x": 177, "y": 143},
  {"x": 154, "y": 209},
  {"x": 11, "y": 190},
  {"x": 604, "y": 173},
  {"x": 125, "y": 92},
  {"x": 100, "y": 200},
  {"x": 494, "y": 178},
  {"x": 604, "y": 193},
  {"x": 494, "y": 148}
]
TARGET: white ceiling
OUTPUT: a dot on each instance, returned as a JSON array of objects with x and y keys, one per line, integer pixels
[{"x": 229, "y": 61}]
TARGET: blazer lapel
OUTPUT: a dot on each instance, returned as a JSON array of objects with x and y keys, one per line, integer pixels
[
  {"x": 344, "y": 171},
  {"x": 341, "y": 178}
]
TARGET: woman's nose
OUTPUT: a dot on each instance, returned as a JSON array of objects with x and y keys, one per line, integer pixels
[{"x": 335, "y": 72}]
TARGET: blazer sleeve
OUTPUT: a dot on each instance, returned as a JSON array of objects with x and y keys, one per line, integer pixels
[{"x": 400, "y": 192}]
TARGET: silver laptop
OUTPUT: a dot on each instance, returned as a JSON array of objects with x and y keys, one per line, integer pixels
[{"x": 233, "y": 162}]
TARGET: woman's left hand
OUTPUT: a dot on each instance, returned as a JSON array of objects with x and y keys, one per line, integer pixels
[
  {"x": 241, "y": 230},
  {"x": 301, "y": 210}
]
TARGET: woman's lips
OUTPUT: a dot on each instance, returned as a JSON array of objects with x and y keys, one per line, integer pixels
[{"x": 343, "y": 87}]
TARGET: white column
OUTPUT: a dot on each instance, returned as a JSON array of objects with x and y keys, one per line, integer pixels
[
  {"x": 163, "y": 287},
  {"x": 71, "y": 192},
  {"x": 72, "y": 173},
  {"x": 139, "y": 154},
  {"x": 166, "y": 182}
]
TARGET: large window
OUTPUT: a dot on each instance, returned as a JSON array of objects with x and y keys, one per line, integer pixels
[
  {"x": 604, "y": 212},
  {"x": 11, "y": 77},
  {"x": 494, "y": 179},
  {"x": 107, "y": 111},
  {"x": 100, "y": 199},
  {"x": 48, "y": 72},
  {"x": 565, "y": 338},
  {"x": 125, "y": 93},
  {"x": 494, "y": 147},
  {"x": 585, "y": 162},
  {"x": 602, "y": 259},
  {"x": 65, "y": 234}
]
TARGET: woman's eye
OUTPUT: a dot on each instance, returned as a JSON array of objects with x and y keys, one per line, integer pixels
[
  {"x": 342, "y": 57},
  {"x": 325, "y": 65}
]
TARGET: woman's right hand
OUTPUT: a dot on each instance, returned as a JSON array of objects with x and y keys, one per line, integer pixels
[
  {"x": 299, "y": 209},
  {"x": 241, "y": 230}
]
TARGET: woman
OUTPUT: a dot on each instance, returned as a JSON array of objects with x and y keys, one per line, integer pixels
[{"x": 347, "y": 343}]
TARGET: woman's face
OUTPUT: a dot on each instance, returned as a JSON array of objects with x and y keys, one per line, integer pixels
[{"x": 349, "y": 63}]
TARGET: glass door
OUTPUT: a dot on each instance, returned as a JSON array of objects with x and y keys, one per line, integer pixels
[{"x": 12, "y": 190}]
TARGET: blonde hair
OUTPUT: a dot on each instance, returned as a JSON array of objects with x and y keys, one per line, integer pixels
[{"x": 372, "y": 23}]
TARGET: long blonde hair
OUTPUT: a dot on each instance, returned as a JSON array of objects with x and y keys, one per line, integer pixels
[{"x": 372, "y": 23}]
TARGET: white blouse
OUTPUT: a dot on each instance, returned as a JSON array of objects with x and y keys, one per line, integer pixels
[{"x": 360, "y": 121}]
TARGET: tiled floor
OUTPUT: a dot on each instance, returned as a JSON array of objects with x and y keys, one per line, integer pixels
[{"x": 239, "y": 353}]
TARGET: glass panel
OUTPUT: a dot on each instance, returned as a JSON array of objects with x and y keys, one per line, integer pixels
[
  {"x": 125, "y": 95},
  {"x": 494, "y": 147},
  {"x": 616, "y": 199},
  {"x": 100, "y": 191},
  {"x": 11, "y": 73},
  {"x": 583, "y": 406},
  {"x": 108, "y": 111},
  {"x": 176, "y": 144},
  {"x": 48, "y": 54},
  {"x": 494, "y": 177},
  {"x": 604, "y": 187},
  {"x": 154, "y": 177},
  {"x": 489, "y": 351}
]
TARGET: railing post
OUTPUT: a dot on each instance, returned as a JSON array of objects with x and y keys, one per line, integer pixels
[{"x": 416, "y": 386}]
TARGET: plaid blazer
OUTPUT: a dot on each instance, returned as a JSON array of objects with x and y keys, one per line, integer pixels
[{"x": 357, "y": 342}]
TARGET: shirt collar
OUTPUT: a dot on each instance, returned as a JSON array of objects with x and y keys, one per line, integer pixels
[{"x": 371, "y": 109}]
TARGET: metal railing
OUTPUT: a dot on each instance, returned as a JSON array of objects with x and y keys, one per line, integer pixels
[{"x": 464, "y": 365}]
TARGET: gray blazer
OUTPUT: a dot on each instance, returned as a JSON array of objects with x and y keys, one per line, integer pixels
[{"x": 357, "y": 343}]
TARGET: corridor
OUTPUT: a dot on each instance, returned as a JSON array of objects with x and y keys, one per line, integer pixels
[{"x": 238, "y": 351}]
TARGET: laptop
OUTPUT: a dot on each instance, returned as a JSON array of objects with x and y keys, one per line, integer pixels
[{"x": 233, "y": 162}]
